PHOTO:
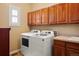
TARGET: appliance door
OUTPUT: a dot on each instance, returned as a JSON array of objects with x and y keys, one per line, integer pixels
[
  {"x": 25, "y": 42},
  {"x": 25, "y": 45}
]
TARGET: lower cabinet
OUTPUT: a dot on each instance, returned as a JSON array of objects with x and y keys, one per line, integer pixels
[
  {"x": 72, "y": 52},
  {"x": 72, "y": 49},
  {"x": 64, "y": 48},
  {"x": 59, "y": 51}
]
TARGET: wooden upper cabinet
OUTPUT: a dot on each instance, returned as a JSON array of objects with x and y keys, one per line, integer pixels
[
  {"x": 52, "y": 15},
  {"x": 29, "y": 18},
  {"x": 73, "y": 9},
  {"x": 38, "y": 17},
  {"x": 61, "y": 14},
  {"x": 33, "y": 19},
  {"x": 44, "y": 16},
  {"x": 58, "y": 14}
]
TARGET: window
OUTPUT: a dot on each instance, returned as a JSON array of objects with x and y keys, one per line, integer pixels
[
  {"x": 14, "y": 12},
  {"x": 14, "y": 19}
]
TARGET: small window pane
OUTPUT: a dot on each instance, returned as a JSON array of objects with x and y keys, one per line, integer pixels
[
  {"x": 14, "y": 20},
  {"x": 14, "y": 12}
]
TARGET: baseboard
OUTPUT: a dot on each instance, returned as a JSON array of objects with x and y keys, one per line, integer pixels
[{"x": 15, "y": 51}]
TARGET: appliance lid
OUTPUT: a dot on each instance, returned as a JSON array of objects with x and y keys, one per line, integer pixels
[
  {"x": 49, "y": 32},
  {"x": 35, "y": 31},
  {"x": 27, "y": 34}
]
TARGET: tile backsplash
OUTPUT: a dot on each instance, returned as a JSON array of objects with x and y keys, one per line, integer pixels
[{"x": 62, "y": 29}]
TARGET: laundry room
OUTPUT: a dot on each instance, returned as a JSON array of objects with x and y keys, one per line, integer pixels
[{"x": 39, "y": 29}]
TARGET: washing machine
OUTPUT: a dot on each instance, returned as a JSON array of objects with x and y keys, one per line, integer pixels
[
  {"x": 38, "y": 44},
  {"x": 25, "y": 41}
]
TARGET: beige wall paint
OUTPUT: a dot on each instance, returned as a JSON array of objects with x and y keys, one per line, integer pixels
[
  {"x": 15, "y": 31},
  {"x": 64, "y": 29},
  {"x": 4, "y": 15},
  {"x": 37, "y": 6}
]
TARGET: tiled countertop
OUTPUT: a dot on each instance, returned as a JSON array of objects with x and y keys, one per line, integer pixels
[{"x": 66, "y": 38}]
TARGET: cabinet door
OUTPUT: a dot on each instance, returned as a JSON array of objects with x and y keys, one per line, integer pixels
[
  {"x": 44, "y": 15},
  {"x": 73, "y": 12},
  {"x": 29, "y": 18},
  {"x": 4, "y": 41},
  {"x": 61, "y": 10},
  {"x": 52, "y": 15},
  {"x": 38, "y": 17},
  {"x": 33, "y": 18},
  {"x": 72, "y": 52},
  {"x": 72, "y": 45},
  {"x": 59, "y": 51}
]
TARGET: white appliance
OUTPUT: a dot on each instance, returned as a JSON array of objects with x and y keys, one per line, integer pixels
[
  {"x": 38, "y": 44},
  {"x": 25, "y": 40},
  {"x": 43, "y": 43},
  {"x": 31, "y": 33}
]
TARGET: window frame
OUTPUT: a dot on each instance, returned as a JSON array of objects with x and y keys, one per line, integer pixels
[{"x": 10, "y": 16}]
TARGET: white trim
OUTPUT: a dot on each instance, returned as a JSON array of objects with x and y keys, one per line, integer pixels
[{"x": 15, "y": 51}]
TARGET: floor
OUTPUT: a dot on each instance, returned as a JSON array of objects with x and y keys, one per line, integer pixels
[{"x": 17, "y": 54}]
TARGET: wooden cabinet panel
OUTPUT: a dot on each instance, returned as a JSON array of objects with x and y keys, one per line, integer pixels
[
  {"x": 33, "y": 19},
  {"x": 59, "y": 43},
  {"x": 59, "y": 48},
  {"x": 4, "y": 41},
  {"x": 29, "y": 18},
  {"x": 73, "y": 12},
  {"x": 72, "y": 45},
  {"x": 59, "y": 51},
  {"x": 38, "y": 17},
  {"x": 58, "y": 14},
  {"x": 61, "y": 13},
  {"x": 52, "y": 15},
  {"x": 72, "y": 52},
  {"x": 62, "y": 48},
  {"x": 44, "y": 15}
]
